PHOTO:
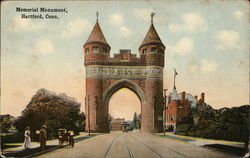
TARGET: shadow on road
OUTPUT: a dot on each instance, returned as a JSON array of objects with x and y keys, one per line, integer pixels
[
  {"x": 29, "y": 152},
  {"x": 225, "y": 148}
]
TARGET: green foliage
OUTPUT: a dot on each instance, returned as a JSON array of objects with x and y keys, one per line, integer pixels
[
  {"x": 137, "y": 121},
  {"x": 226, "y": 123},
  {"x": 5, "y": 123},
  {"x": 55, "y": 111}
]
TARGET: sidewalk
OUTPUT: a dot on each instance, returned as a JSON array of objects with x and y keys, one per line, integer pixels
[
  {"x": 202, "y": 141},
  {"x": 19, "y": 151}
]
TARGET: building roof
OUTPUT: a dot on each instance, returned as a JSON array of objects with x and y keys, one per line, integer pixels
[
  {"x": 174, "y": 95},
  {"x": 152, "y": 37},
  {"x": 96, "y": 36},
  {"x": 188, "y": 96}
]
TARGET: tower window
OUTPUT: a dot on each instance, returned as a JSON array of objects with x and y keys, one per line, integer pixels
[
  {"x": 104, "y": 50},
  {"x": 95, "y": 49},
  {"x": 153, "y": 49},
  {"x": 160, "y": 51},
  {"x": 87, "y": 50},
  {"x": 144, "y": 51}
]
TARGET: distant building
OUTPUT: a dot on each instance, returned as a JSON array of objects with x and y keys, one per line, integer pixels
[
  {"x": 178, "y": 107},
  {"x": 117, "y": 124}
]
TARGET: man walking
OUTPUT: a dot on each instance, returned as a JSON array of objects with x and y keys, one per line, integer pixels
[{"x": 43, "y": 137}]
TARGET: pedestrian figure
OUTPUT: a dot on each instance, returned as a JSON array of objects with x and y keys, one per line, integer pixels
[
  {"x": 67, "y": 137},
  {"x": 43, "y": 137},
  {"x": 27, "y": 141},
  {"x": 71, "y": 139}
]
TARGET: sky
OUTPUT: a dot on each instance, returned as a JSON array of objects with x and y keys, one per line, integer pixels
[{"x": 206, "y": 41}]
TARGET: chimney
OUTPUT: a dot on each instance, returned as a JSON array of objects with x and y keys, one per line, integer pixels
[
  {"x": 183, "y": 96},
  {"x": 195, "y": 97},
  {"x": 202, "y": 97}
]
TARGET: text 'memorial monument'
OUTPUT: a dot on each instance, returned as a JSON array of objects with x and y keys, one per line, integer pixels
[{"x": 106, "y": 75}]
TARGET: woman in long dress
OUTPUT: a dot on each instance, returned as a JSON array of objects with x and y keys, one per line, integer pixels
[{"x": 27, "y": 141}]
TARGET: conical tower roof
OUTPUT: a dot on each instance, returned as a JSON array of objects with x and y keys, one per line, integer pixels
[
  {"x": 96, "y": 36},
  {"x": 175, "y": 96},
  {"x": 152, "y": 37}
]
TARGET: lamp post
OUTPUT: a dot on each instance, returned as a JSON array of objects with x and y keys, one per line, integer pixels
[{"x": 164, "y": 110}]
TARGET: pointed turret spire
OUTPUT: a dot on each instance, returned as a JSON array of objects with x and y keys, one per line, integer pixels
[
  {"x": 174, "y": 93},
  {"x": 97, "y": 16},
  {"x": 96, "y": 36},
  {"x": 152, "y": 36}
]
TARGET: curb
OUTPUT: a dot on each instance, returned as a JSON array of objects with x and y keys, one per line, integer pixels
[{"x": 42, "y": 152}]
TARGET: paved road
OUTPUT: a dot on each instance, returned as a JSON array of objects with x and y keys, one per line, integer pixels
[{"x": 134, "y": 145}]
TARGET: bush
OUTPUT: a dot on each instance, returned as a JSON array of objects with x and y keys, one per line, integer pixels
[{"x": 227, "y": 123}]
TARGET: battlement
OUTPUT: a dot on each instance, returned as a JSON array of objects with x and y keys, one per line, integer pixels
[
  {"x": 124, "y": 58},
  {"x": 124, "y": 55}
]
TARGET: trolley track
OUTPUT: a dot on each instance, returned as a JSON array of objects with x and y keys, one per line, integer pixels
[
  {"x": 129, "y": 151},
  {"x": 162, "y": 146},
  {"x": 143, "y": 144},
  {"x": 110, "y": 146}
]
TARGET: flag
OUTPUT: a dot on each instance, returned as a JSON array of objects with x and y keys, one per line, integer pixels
[{"x": 175, "y": 73}]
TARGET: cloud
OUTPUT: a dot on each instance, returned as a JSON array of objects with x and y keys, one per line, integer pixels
[
  {"x": 125, "y": 31},
  {"x": 143, "y": 13},
  {"x": 19, "y": 24},
  {"x": 226, "y": 39},
  {"x": 204, "y": 65},
  {"x": 237, "y": 14},
  {"x": 192, "y": 22},
  {"x": 174, "y": 28},
  {"x": 116, "y": 19},
  {"x": 183, "y": 46},
  {"x": 43, "y": 46},
  {"x": 75, "y": 28},
  {"x": 193, "y": 68},
  {"x": 208, "y": 65}
]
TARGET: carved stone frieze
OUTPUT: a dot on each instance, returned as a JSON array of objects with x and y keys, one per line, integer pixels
[{"x": 124, "y": 72}]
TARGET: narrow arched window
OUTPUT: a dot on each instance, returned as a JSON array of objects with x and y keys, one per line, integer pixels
[
  {"x": 87, "y": 50},
  {"x": 104, "y": 50},
  {"x": 153, "y": 49},
  {"x": 95, "y": 49}
]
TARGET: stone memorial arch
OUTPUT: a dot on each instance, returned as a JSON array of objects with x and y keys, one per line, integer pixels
[{"x": 105, "y": 75}]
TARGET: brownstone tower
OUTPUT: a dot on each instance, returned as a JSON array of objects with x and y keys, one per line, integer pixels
[{"x": 106, "y": 75}]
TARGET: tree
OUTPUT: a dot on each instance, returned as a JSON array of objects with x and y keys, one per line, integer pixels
[
  {"x": 225, "y": 123},
  {"x": 135, "y": 121},
  {"x": 55, "y": 111}
]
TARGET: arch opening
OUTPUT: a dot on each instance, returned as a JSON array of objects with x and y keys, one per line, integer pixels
[
  {"x": 124, "y": 101},
  {"x": 123, "y": 104}
]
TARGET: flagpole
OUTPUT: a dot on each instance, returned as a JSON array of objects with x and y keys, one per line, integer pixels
[{"x": 174, "y": 77}]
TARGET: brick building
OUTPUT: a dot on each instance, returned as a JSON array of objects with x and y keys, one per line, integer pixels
[
  {"x": 178, "y": 107},
  {"x": 105, "y": 75},
  {"x": 116, "y": 124}
]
